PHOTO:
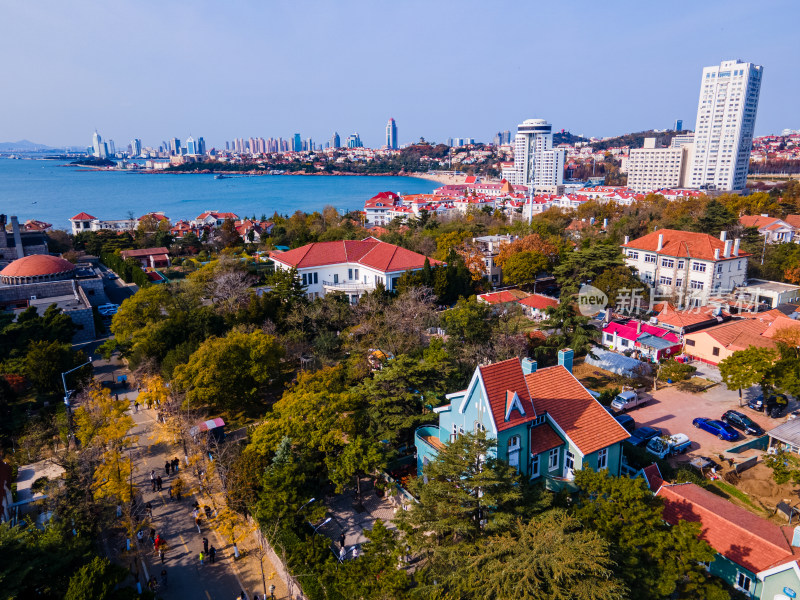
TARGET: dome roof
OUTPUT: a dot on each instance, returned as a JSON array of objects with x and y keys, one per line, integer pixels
[{"x": 36, "y": 265}]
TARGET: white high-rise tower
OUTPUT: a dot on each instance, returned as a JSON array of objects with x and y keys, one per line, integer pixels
[
  {"x": 97, "y": 145},
  {"x": 391, "y": 135},
  {"x": 726, "y": 117},
  {"x": 536, "y": 163}
]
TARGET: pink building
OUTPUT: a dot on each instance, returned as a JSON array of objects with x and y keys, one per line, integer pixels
[{"x": 648, "y": 341}]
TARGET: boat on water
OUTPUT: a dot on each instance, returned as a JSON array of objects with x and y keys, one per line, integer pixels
[{"x": 220, "y": 176}]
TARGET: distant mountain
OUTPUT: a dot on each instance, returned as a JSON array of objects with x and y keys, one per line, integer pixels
[
  {"x": 566, "y": 138},
  {"x": 23, "y": 146},
  {"x": 636, "y": 140}
]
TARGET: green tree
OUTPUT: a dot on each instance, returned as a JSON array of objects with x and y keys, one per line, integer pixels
[
  {"x": 231, "y": 370},
  {"x": 96, "y": 580},
  {"x": 619, "y": 281},
  {"x": 653, "y": 559},
  {"x": 522, "y": 268},
  {"x": 568, "y": 329},
  {"x": 745, "y": 368},
  {"x": 547, "y": 558},
  {"x": 46, "y": 361},
  {"x": 360, "y": 457},
  {"x": 715, "y": 218},
  {"x": 587, "y": 264},
  {"x": 468, "y": 321}
]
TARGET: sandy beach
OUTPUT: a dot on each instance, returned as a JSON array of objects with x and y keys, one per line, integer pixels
[{"x": 444, "y": 179}]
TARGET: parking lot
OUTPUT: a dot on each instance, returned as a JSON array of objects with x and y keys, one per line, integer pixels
[{"x": 672, "y": 411}]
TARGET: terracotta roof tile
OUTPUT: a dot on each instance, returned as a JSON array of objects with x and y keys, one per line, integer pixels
[
  {"x": 539, "y": 301},
  {"x": 544, "y": 438},
  {"x": 683, "y": 244},
  {"x": 37, "y": 265},
  {"x": 82, "y": 216},
  {"x": 736, "y": 533},
  {"x": 500, "y": 378},
  {"x": 556, "y": 391}
]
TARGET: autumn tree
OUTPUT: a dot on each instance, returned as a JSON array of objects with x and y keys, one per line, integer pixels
[
  {"x": 524, "y": 267},
  {"x": 745, "y": 368},
  {"x": 231, "y": 370},
  {"x": 530, "y": 243}
]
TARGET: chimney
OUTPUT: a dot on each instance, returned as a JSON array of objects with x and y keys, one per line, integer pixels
[
  {"x": 528, "y": 366},
  {"x": 565, "y": 357},
  {"x": 17, "y": 237},
  {"x": 716, "y": 253},
  {"x": 660, "y": 242},
  {"x": 723, "y": 235},
  {"x": 764, "y": 215},
  {"x": 727, "y": 252},
  {"x": 736, "y": 246},
  {"x": 627, "y": 239}
]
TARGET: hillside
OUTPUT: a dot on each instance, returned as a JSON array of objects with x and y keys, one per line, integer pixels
[
  {"x": 22, "y": 146},
  {"x": 636, "y": 140},
  {"x": 567, "y": 138}
]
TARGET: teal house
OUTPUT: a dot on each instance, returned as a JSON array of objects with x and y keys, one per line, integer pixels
[
  {"x": 755, "y": 556},
  {"x": 546, "y": 423}
]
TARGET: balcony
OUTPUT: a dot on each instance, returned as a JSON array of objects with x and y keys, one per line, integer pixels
[
  {"x": 430, "y": 435},
  {"x": 348, "y": 286}
]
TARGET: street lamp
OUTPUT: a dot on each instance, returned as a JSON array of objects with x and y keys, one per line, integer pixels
[
  {"x": 68, "y": 393},
  {"x": 304, "y": 505},
  {"x": 325, "y": 522},
  {"x": 314, "y": 533}
]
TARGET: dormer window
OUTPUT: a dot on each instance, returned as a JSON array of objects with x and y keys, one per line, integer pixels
[{"x": 513, "y": 403}]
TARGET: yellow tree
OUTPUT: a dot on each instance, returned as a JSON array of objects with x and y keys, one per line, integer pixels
[
  {"x": 530, "y": 243},
  {"x": 155, "y": 391}
]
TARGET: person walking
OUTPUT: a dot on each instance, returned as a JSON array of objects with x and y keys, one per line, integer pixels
[
  {"x": 159, "y": 482},
  {"x": 153, "y": 482},
  {"x": 341, "y": 540},
  {"x": 176, "y": 464},
  {"x": 136, "y": 406},
  {"x": 205, "y": 545},
  {"x": 169, "y": 493},
  {"x": 212, "y": 553},
  {"x": 164, "y": 577},
  {"x": 197, "y": 522},
  {"x": 161, "y": 553},
  {"x": 167, "y": 465},
  {"x": 202, "y": 557},
  {"x": 149, "y": 508}
]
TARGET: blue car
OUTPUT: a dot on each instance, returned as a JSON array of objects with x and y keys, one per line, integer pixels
[{"x": 720, "y": 429}]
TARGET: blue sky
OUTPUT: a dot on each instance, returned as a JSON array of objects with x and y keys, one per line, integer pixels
[{"x": 442, "y": 69}]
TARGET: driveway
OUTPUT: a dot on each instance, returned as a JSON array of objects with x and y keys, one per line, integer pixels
[{"x": 672, "y": 411}]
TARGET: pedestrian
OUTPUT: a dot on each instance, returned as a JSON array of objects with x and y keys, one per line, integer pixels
[
  {"x": 212, "y": 552},
  {"x": 164, "y": 577},
  {"x": 242, "y": 595},
  {"x": 116, "y": 397},
  {"x": 176, "y": 465},
  {"x": 195, "y": 512},
  {"x": 355, "y": 551},
  {"x": 205, "y": 545},
  {"x": 342, "y": 554},
  {"x": 166, "y": 467},
  {"x": 207, "y": 510},
  {"x": 157, "y": 542},
  {"x": 235, "y": 551},
  {"x": 161, "y": 553},
  {"x": 159, "y": 482},
  {"x": 136, "y": 406},
  {"x": 341, "y": 540},
  {"x": 202, "y": 556},
  {"x": 169, "y": 493},
  {"x": 152, "y": 536},
  {"x": 152, "y": 474},
  {"x": 149, "y": 508},
  {"x": 153, "y": 483},
  {"x": 271, "y": 591},
  {"x": 197, "y": 522}
]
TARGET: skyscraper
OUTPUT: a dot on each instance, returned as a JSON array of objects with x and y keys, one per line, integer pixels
[
  {"x": 391, "y": 135},
  {"x": 112, "y": 150},
  {"x": 191, "y": 146},
  {"x": 136, "y": 147},
  {"x": 536, "y": 163},
  {"x": 175, "y": 146},
  {"x": 354, "y": 141},
  {"x": 336, "y": 142},
  {"x": 678, "y": 125},
  {"x": 297, "y": 143},
  {"x": 97, "y": 144},
  {"x": 201, "y": 146},
  {"x": 726, "y": 117}
]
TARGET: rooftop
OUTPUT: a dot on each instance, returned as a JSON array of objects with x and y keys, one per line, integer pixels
[
  {"x": 685, "y": 244},
  {"x": 37, "y": 265}
]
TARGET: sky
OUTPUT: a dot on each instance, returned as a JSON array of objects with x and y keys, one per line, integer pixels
[{"x": 160, "y": 69}]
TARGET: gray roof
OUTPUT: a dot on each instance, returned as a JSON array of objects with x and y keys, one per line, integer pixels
[
  {"x": 788, "y": 433},
  {"x": 617, "y": 363},
  {"x": 652, "y": 341}
]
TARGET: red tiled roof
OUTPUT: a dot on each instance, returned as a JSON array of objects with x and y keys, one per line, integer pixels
[
  {"x": 739, "y": 335},
  {"x": 793, "y": 220},
  {"x": 556, "y": 391},
  {"x": 144, "y": 252},
  {"x": 779, "y": 324},
  {"x": 82, "y": 216},
  {"x": 544, "y": 438},
  {"x": 502, "y": 297},
  {"x": 539, "y": 302},
  {"x": 369, "y": 252},
  {"x": 757, "y": 221},
  {"x": 682, "y": 318},
  {"x": 736, "y": 533},
  {"x": 652, "y": 475},
  {"x": 500, "y": 378},
  {"x": 36, "y": 265},
  {"x": 683, "y": 244}
]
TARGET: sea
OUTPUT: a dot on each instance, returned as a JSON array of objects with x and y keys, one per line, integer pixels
[{"x": 53, "y": 191}]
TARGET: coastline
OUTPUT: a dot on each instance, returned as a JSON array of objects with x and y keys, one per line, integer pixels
[{"x": 442, "y": 178}]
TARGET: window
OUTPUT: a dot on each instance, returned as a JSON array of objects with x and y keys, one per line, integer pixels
[
  {"x": 335, "y": 278},
  {"x": 667, "y": 262},
  {"x": 696, "y": 285},
  {"x": 742, "y": 581},
  {"x": 679, "y": 283},
  {"x": 623, "y": 343},
  {"x": 699, "y": 267},
  {"x": 633, "y": 255},
  {"x": 569, "y": 460},
  {"x": 690, "y": 342},
  {"x": 513, "y": 443},
  {"x": 350, "y": 274},
  {"x": 355, "y": 271},
  {"x": 665, "y": 280},
  {"x": 479, "y": 427},
  {"x": 602, "y": 459},
  {"x": 305, "y": 279},
  {"x": 535, "y": 466},
  {"x": 609, "y": 337},
  {"x": 540, "y": 419},
  {"x": 650, "y": 258},
  {"x": 715, "y": 351},
  {"x": 316, "y": 277},
  {"x": 552, "y": 459}
]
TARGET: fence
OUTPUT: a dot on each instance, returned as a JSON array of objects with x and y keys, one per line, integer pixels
[{"x": 294, "y": 589}]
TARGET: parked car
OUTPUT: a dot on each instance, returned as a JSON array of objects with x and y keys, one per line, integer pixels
[
  {"x": 719, "y": 428},
  {"x": 772, "y": 404},
  {"x": 663, "y": 447},
  {"x": 108, "y": 310},
  {"x": 736, "y": 419},
  {"x": 627, "y": 422},
  {"x": 641, "y": 436},
  {"x": 627, "y": 400}
]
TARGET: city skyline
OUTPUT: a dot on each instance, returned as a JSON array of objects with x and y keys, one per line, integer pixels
[{"x": 644, "y": 84}]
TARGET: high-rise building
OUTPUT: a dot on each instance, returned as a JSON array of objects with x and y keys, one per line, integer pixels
[
  {"x": 112, "y": 149},
  {"x": 136, "y": 147},
  {"x": 297, "y": 143},
  {"x": 201, "y": 146},
  {"x": 97, "y": 144},
  {"x": 175, "y": 146},
  {"x": 191, "y": 146},
  {"x": 354, "y": 141},
  {"x": 536, "y": 163},
  {"x": 506, "y": 137},
  {"x": 726, "y": 117},
  {"x": 336, "y": 142},
  {"x": 651, "y": 168},
  {"x": 678, "y": 124},
  {"x": 391, "y": 135}
]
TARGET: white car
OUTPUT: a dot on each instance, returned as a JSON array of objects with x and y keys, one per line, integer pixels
[{"x": 108, "y": 310}]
